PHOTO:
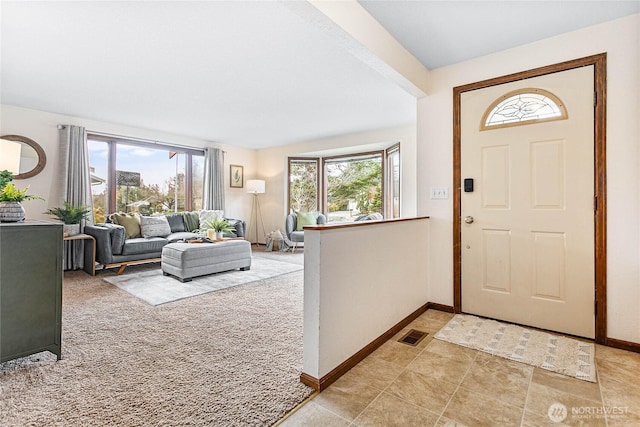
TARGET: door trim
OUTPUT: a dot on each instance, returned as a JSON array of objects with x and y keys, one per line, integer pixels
[{"x": 599, "y": 63}]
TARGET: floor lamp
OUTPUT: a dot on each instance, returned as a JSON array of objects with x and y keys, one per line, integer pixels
[{"x": 256, "y": 187}]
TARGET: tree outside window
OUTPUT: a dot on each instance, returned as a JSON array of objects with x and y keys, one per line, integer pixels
[
  {"x": 351, "y": 185},
  {"x": 143, "y": 178}
]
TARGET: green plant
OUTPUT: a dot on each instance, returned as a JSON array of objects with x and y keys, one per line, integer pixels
[
  {"x": 69, "y": 214},
  {"x": 5, "y": 177},
  {"x": 9, "y": 193},
  {"x": 219, "y": 225}
]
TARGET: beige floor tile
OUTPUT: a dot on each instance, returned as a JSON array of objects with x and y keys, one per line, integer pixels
[
  {"x": 620, "y": 393},
  {"x": 625, "y": 419},
  {"x": 616, "y": 370},
  {"x": 622, "y": 357},
  {"x": 389, "y": 411},
  {"x": 446, "y": 422},
  {"x": 500, "y": 378},
  {"x": 375, "y": 372},
  {"x": 541, "y": 398},
  {"x": 579, "y": 419},
  {"x": 431, "y": 324},
  {"x": 437, "y": 315},
  {"x": 539, "y": 420},
  {"x": 452, "y": 351},
  {"x": 422, "y": 391},
  {"x": 567, "y": 384},
  {"x": 437, "y": 367},
  {"x": 409, "y": 386},
  {"x": 346, "y": 397},
  {"x": 395, "y": 352},
  {"x": 477, "y": 409},
  {"x": 313, "y": 415}
]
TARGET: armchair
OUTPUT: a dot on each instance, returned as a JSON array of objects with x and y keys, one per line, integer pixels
[{"x": 291, "y": 229}]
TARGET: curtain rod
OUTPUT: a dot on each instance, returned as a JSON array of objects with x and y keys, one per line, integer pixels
[{"x": 136, "y": 139}]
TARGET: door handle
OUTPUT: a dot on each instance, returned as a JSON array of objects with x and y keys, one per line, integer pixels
[{"x": 468, "y": 219}]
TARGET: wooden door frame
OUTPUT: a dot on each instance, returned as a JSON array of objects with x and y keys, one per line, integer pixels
[{"x": 600, "y": 214}]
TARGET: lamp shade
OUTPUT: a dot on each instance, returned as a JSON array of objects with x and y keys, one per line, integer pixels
[
  {"x": 255, "y": 186},
  {"x": 10, "y": 156}
]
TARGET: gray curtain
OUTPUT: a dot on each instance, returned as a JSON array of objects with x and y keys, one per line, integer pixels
[
  {"x": 76, "y": 179},
  {"x": 213, "y": 197}
]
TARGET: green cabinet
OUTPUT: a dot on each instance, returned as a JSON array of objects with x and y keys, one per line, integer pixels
[{"x": 30, "y": 288}]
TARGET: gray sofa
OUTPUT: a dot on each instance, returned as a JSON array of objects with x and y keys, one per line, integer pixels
[{"x": 114, "y": 249}]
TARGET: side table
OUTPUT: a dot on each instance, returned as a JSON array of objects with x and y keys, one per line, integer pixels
[{"x": 89, "y": 253}]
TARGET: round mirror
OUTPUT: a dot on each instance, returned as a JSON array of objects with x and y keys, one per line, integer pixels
[{"x": 29, "y": 156}]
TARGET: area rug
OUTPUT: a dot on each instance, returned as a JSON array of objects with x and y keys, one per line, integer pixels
[
  {"x": 227, "y": 358},
  {"x": 154, "y": 288},
  {"x": 555, "y": 353}
]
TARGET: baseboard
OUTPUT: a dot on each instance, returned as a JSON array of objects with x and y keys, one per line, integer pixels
[
  {"x": 343, "y": 368},
  {"x": 312, "y": 382},
  {"x": 440, "y": 307},
  {"x": 623, "y": 345}
]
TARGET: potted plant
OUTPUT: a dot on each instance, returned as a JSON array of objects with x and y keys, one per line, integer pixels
[
  {"x": 219, "y": 226},
  {"x": 71, "y": 216},
  {"x": 11, "y": 209},
  {"x": 5, "y": 178}
]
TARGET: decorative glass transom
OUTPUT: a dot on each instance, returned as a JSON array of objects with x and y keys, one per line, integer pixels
[{"x": 521, "y": 107}]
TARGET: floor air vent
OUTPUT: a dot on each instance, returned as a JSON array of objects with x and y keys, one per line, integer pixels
[{"x": 413, "y": 337}]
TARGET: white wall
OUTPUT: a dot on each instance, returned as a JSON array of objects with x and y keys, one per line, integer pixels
[
  {"x": 359, "y": 282},
  {"x": 42, "y": 128},
  {"x": 621, "y": 40},
  {"x": 272, "y": 164}
]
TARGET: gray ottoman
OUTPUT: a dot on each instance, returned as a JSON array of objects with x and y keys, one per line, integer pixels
[{"x": 187, "y": 260}]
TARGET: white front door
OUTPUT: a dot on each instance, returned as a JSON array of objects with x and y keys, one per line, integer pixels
[{"x": 528, "y": 239}]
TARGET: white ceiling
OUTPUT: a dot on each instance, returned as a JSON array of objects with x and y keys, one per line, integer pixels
[
  {"x": 441, "y": 33},
  {"x": 251, "y": 74}
]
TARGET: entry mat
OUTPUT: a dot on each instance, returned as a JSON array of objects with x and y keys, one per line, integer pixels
[{"x": 555, "y": 353}]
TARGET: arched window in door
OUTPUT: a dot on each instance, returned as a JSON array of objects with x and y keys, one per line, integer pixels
[{"x": 522, "y": 107}]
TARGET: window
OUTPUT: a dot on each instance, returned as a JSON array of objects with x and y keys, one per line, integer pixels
[
  {"x": 303, "y": 184},
  {"x": 143, "y": 177},
  {"x": 523, "y": 106},
  {"x": 352, "y": 185},
  {"x": 393, "y": 182}
]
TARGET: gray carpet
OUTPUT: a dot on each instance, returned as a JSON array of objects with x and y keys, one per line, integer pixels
[
  {"x": 226, "y": 358},
  {"x": 154, "y": 288}
]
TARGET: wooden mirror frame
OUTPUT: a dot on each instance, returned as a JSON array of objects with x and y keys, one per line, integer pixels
[{"x": 42, "y": 157}]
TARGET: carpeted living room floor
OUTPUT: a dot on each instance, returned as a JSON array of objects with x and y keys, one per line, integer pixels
[{"x": 231, "y": 357}]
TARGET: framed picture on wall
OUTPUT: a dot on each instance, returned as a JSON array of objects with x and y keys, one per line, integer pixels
[{"x": 236, "y": 176}]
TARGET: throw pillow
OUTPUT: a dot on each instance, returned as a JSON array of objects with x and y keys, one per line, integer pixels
[
  {"x": 176, "y": 222},
  {"x": 306, "y": 218},
  {"x": 130, "y": 222},
  {"x": 205, "y": 215},
  {"x": 191, "y": 222},
  {"x": 118, "y": 236},
  {"x": 154, "y": 226}
]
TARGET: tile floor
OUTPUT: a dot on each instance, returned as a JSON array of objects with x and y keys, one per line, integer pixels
[{"x": 441, "y": 384}]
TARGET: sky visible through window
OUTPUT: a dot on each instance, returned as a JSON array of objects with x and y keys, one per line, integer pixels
[{"x": 154, "y": 165}]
